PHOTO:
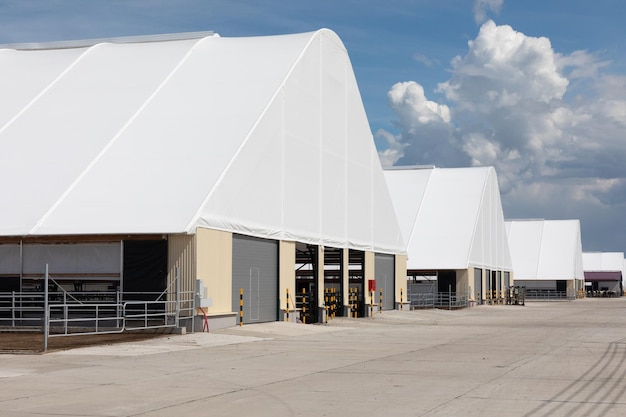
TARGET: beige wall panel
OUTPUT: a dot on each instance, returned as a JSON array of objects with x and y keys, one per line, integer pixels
[
  {"x": 400, "y": 278},
  {"x": 182, "y": 255},
  {"x": 287, "y": 274},
  {"x": 320, "y": 277},
  {"x": 571, "y": 288},
  {"x": 470, "y": 283},
  {"x": 485, "y": 277},
  {"x": 462, "y": 281},
  {"x": 215, "y": 267}
]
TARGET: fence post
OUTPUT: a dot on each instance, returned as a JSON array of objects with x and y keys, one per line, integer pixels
[
  {"x": 380, "y": 301},
  {"x": 177, "y": 307},
  {"x": 46, "y": 317},
  {"x": 118, "y": 301},
  {"x": 13, "y": 308},
  {"x": 304, "y": 301},
  {"x": 65, "y": 312},
  {"x": 401, "y": 299}
]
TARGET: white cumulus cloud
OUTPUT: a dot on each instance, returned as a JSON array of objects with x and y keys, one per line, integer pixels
[
  {"x": 553, "y": 125},
  {"x": 483, "y": 7}
]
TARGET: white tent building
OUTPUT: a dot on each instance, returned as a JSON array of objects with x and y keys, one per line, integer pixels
[
  {"x": 128, "y": 161},
  {"x": 454, "y": 228},
  {"x": 603, "y": 273},
  {"x": 547, "y": 257}
]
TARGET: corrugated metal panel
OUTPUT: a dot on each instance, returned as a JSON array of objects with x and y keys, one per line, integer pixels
[
  {"x": 10, "y": 260},
  {"x": 182, "y": 255},
  {"x": 603, "y": 276},
  {"x": 478, "y": 284}
]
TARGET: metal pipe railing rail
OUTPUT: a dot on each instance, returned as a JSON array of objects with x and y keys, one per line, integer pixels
[
  {"x": 547, "y": 295},
  {"x": 84, "y": 319},
  {"x": 24, "y": 309},
  {"x": 447, "y": 300},
  {"x": 72, "y": 319}
]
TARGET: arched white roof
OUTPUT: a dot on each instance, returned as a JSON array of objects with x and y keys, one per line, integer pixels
[
  {"x": 265, "y": 136},
  {"x": 451, "y": 217},
  {"x": 546, "y": 249}
]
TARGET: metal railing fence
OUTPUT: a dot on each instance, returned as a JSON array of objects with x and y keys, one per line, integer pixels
[
  {"x": 548, "y": 295},
  {"x": 446, "y": 300}
]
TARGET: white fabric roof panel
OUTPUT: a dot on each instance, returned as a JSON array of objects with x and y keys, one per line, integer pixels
[
  {"x": 546, "y": 249},
  {"x": 265, "y": 136},
  {"x": 452, "y": 218},
  {"x": 39, "y": 69},
  {"x": 603, "y": 261}
]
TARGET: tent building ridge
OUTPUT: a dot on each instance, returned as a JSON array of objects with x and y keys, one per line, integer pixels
[{"x": 83, "y": 43}]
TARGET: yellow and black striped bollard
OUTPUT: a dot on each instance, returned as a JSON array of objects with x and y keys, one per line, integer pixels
[{"x": 240, "y": 307}]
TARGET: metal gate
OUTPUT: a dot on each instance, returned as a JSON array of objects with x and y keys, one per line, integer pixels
[
  {"x": 384, "y": 272},
  {"x": 255, "y": 269}
]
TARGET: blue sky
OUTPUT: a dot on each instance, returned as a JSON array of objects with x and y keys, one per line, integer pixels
[{"x": 535, "y": 88}]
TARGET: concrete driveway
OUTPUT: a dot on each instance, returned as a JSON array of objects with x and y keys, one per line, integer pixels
[{"x": 542, "y": 359}]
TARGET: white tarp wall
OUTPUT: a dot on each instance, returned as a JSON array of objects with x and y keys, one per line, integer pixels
[
  {"x": 452, "y": 218},
  {"x": 546, "y": 249},
  {"x": 603, "y": 261},
  {"x": 263, "y": 136}
]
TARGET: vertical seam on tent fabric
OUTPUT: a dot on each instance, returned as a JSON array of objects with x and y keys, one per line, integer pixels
[
  {"x": 48, "y": 88},
  {"x": 542, "y": 223},
  {"x": 114, "y": 139},
  {"x": 320, "y": 190},
  {"x": 283, "y": 161},
  {"x": 346, "y": 150},
  {"x": 370, "y": 241},
  {"x": 476, "y": 222},
  {"x": 195, "y": 217}
]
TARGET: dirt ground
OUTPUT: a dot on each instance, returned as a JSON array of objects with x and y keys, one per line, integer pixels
[{"x": 32, "y": 343}]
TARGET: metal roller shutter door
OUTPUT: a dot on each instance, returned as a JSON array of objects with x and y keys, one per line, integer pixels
[
  {"x": 255, "y": 269},
  {"x": 478, "y": 285},
  {"x": 385, "y": 278}
]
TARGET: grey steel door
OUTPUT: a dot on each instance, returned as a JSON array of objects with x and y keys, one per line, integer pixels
[
  {"x": 479, "y": 294},
  {"x": 385, "y": 278},
  {"x": 255, "y": 269}
]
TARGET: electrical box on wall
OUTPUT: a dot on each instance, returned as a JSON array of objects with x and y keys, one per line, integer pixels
[{"x": 202, "y": 298}]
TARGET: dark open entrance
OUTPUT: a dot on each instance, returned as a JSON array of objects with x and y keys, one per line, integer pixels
[
  {"x": 8, "y": 284},
  {"x": 333, "y": 281},
  {"x": 357, "y": 287},
  {"x": 306, "y": 273},
  {"x": 446, "y": 281},
  {"x": 145, "y": 269}
]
